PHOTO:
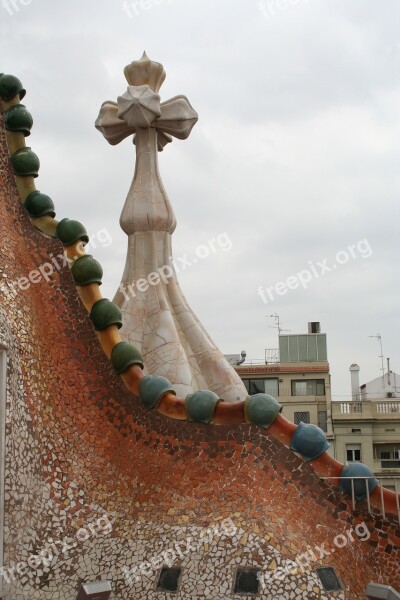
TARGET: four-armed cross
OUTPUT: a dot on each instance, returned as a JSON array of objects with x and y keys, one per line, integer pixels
[{"x": 157, "y": 318}]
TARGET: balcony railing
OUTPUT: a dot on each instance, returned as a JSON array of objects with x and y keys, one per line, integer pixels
[
  {"x": 365, "y": 481},
  {"x": 350, "y": 408},
  {"x": 367, "y": 409},
  {"x": 389, "y": 463},
  {"x": 287, "y": 393},
  {"x": 271, "y": 356},
  {"x": 388, "y": 407}
]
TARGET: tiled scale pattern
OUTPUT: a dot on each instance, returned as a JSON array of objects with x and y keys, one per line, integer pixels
[{"x": 80, "y": 446}]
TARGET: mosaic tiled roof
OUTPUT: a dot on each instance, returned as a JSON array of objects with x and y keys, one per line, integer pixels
[{"x": 81, "y": 445}]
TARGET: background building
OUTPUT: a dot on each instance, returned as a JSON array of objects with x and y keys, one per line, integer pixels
[
  {"x": 297, "y": 374},
  {"x": 367, "y": 428}
]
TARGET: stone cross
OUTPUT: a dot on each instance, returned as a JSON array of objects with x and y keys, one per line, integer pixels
[{"x": 156, "y": 315}]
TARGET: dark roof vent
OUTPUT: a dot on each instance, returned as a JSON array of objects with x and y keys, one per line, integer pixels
[
  {"x": 247, "y": 581},
  {"x": 169, "y": 579},
  {"x": 329, "y": 579}
]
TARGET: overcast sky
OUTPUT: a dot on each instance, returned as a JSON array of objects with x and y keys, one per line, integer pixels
[{"x": 295, "y": 157}]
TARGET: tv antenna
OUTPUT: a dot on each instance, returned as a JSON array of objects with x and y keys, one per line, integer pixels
[
  {"x": 379, "y": 338},
  {"x": 277, "y": 323}
]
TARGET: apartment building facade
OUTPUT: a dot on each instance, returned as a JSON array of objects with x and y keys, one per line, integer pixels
[
  {"x": 297, "y": 375},
  {"x": 367, "y": 427}
]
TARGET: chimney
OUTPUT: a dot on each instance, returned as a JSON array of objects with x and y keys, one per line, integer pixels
[{"x": 355, "y": 382}]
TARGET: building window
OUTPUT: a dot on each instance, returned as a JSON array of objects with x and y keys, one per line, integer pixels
[
  {"x": 308, "y": 387},
  {"x": 388, "y": 454},
  {"x": 301, "y": 417},
  {"x": 262, "y": 386},
  {"x": 353, "y": 452},
  {"x": 322, "y": 420},
  {"x": 169, "y": 579},
  {"x": 247, "y": 581}
]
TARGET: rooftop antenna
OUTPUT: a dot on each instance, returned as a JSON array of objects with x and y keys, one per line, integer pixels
[
  {"x": 379, "y": 338},
  {"x": 277, "y": 323}
]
